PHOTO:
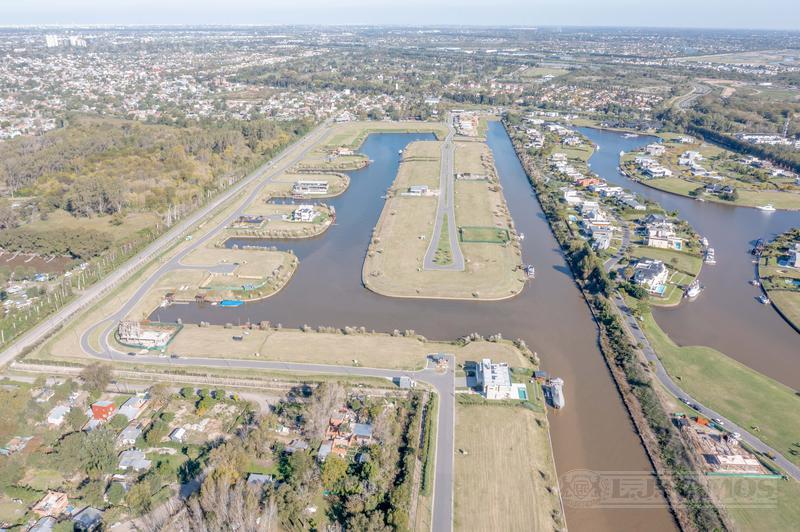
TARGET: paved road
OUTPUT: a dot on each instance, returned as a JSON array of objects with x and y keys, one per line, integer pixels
[
  {"x": 94, "y": 292},
  {"x": 442, "y": 381},
  {"x": 632, "y": 325},
  {"x": 612, "y": 262},
  {"x": 686, "y": 101},
  {"x": 446, "y": 208}
]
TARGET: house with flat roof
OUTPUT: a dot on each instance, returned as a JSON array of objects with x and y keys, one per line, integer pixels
[
  {"x": 310, "y": 187},
  {"x": 493, "y": 379},
  {"x": 57, "y": 415},
  {"x": 88, "y": 520},
  {"x": 304, "y": 213},
  {"x": 133, "y": 407},
  {"x": 133, "y": 459}
]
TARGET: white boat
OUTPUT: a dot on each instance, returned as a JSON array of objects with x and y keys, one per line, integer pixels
[
  {"x": 704, "y": 242},
  {"x": 400, "y": 152},
  {"x": 522, "y": 236},
  {"x": 710, "y": 257},
  {"x": 764, "y": 300},
  {"x": 530, "y": 271},
  {"x": 630, "y": 135},
  {"x": 621, "y": 153},
  {"x": 767, "y": 208},
  {"x": 755, "y": 282},
  {"x": 694, "y": 289},
  {"x": 556, "y": 392}
]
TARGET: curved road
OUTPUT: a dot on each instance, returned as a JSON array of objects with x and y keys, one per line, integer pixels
[
  {"x": 94, "y": 292},
  {"x": 446, "y": 209}
]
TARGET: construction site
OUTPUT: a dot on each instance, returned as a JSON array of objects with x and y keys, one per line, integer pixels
[{"x": 719, "y": 452}]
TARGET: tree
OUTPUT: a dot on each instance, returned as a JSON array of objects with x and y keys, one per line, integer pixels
[
  {"x": 75, "y": 418},
  {"x": 326, "y": 398},
  {"x": 156, "y": 432},
  {"x": 96, "y": 377},
  {"x": 159, "y": 394},
  {"x": 333, "y": 470},
  {"x": 118, "y": 422},
  {"x": 115, "y": 493},
  {"x": 97, "y": 455},
  {"x": 187, "y": 392}
]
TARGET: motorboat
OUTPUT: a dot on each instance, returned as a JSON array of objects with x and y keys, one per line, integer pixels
[
  {"x": 694, "y": 289},
  {"x": 630, "y": 135},
  {"x": 766, "y": 208},
  {"x": 710, "y": 256},
  {"x": 704, "y": 242},
  {"x": 530, "y": 271},
  {"x": 764, "y": 300},
  {"x": 522, "y": 236},
  {"x": 755, "y": 282},
  {"x": 621, "y": 153}
]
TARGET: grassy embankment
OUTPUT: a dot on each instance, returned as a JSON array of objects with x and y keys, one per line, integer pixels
[
  {"x": 782, "y": 283},
  {"x": 760, "y": 404},
  {"x": 278, "y": 222},
  {"x": 506, "y": 459},
  {"x": 351, "y": 135},
  {"x": 281, "y": 186},
  {"x": 394, "y": 262},
  {"x": 754, "y": 187},
  {"x": 739, "y": 393}
]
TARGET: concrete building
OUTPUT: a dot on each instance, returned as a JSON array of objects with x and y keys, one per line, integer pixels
[
  {"x": 310, "y": 188},
  {"x": 304, "y": 213},
  {"x": 494, "y": 380}
]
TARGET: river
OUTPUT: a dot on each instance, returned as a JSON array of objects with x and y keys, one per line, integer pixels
[
  {"x": 727, "y": 316},
  {"x": 592, "y": 433}
]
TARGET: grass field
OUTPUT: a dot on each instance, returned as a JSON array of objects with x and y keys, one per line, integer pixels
[
  {"x": 132, "y": 223},
  {"x": 677, "y": 260},
  {"x": 788, "y": 301},
  {"x": 491, "y": 235},
  {"x": 739, "y": 393},
  {"x": 539, "y": 72},
  {"x": 352, "y": 134},
  {"x": 444, "y": 255},
  {"x": 781, "y": 512},
  {"x": 502, "y": 477},
  {"x": 281, "y": 186},
  {"x": 394, "y": 261},
  {"x": 369, "y": 350},
  {"x": 278, "y": 223}
]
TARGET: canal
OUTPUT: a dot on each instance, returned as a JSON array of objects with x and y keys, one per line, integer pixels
[
  {"x": 592, "y": 433},
  {"x": 727, "y": 316}
]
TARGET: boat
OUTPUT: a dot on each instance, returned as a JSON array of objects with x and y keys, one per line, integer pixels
[
  {"x": 755, "y": 282},
  {"x": 758, "y": 248},
  {"x": 694, "y": 289},
  {"x": 630, "y": 135},
  {"x": 710, "y": 257},
  {"x": 555, "y": 392},
  {"x": 522, "y": 236},
  {"x": 231, "y": 303},
  {"x": 400, "y": 152},
  {"x": 704, "y": 242},
  {"x": 621, "y": 153},
  {"x": 530, "y": 271},
  {"x": 766, "y": 208},
  {"x": 764, "y": 300}
]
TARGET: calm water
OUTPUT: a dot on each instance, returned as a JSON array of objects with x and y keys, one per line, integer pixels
[
  {"x": 593, "y": 432},
  {"x": 727, "y": 315}
]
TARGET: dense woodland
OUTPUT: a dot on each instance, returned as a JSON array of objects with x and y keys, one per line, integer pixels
[{"x": 102, "y": 166}]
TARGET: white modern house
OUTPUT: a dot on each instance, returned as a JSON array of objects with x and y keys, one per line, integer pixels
[
  {"x": 494, "y": 379},
  {"x": 651, "y": 274},
  {"x": 310, "y": 188},
  {"x": 304, "y": 213}
]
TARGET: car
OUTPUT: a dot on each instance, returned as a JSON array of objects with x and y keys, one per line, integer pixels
[
  {"x": 718, "y": 421},
  {"x": 131, "y": 354},
  {"x": 174, "y": 356},
  {"x": 686, "y": 401}
]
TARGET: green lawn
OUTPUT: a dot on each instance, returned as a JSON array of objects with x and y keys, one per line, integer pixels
[
  {"x": 739, "y": 393},
  {"x": 492, "y": 235},
  {"x": 43, "y": 479},
  {"x": 784, "y": 516},
  {"x": 677, "y": 260},
  {"x": 444, "y": 254},
  {"x": 11, "y": 511},
  {"x": 676, "y": 185}
]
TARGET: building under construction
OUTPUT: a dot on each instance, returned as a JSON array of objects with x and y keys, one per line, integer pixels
[
  {"x": 133, "y": 333},
  {"x": 720, "y": 453}
]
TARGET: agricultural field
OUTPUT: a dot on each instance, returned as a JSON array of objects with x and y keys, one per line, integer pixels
[
  {"x": 394, "y": 262},
  {"x": 503, "y": 455}
]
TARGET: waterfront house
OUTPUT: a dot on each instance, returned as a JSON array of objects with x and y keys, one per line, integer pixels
[
  {"x": 309, "y": 187},
  {"x": 304, "y": 213},
  {"x": 494, "y": 379},
  {"x": 655, "y": 149},
  {"x": 663, "y": 238},
  {"x": 651, "y": 274},
  {"x": 572, "y": 197},
  {"x": 794, "y": 256}
]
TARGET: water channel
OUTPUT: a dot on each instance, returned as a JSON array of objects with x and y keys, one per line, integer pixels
[
  {"x": 592, "y": 433},
  {"x": 727, "y": 316}
]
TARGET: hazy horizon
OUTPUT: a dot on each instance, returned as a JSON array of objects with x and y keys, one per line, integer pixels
[{"x": 678, "y": 14}]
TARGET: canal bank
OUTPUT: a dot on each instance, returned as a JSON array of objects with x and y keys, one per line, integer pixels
[
  {"x": 593, "y": 434},
  {"x": 727, "y": 316}
]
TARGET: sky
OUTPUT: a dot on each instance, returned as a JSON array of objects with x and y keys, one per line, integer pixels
[{"x": 767, "y": 14}]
